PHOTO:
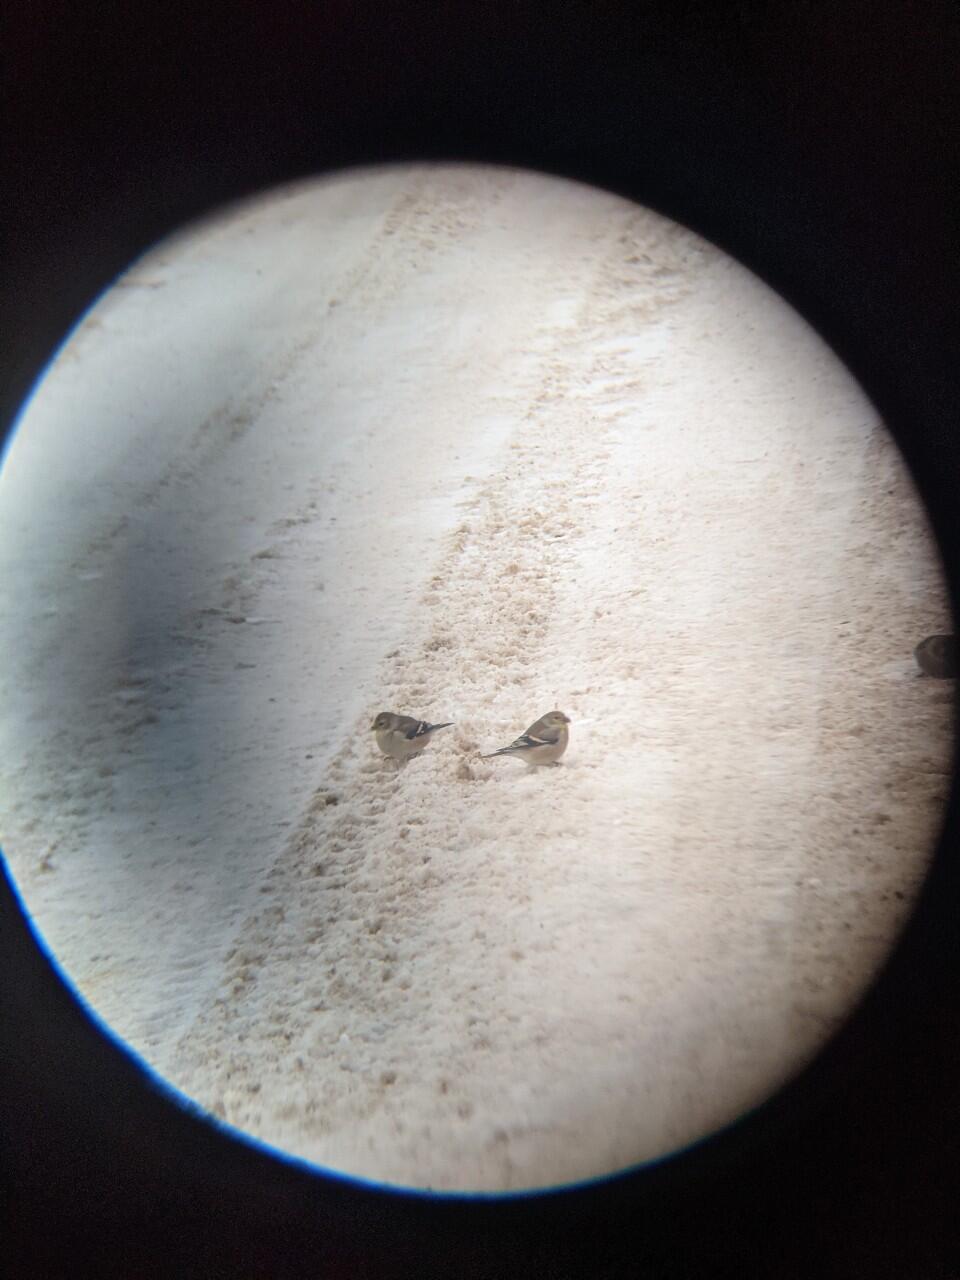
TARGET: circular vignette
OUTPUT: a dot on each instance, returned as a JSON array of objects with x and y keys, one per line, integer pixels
[{"x": 147, "y": 268}]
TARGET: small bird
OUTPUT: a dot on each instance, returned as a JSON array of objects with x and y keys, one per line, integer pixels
[
  {"x": 401, "y": 736},
  {"x": 543, "y": 743},
  {"x": 937, "y": 656}
]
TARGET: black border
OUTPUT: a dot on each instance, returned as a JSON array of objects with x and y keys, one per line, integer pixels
[{"x": 819, "y": 145}]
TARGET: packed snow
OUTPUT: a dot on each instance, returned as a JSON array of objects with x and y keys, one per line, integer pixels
[{"x": 465, "y": 444}]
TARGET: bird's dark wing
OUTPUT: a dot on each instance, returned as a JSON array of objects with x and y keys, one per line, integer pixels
[
  {"x": 527, "y": 740},
  {"x": 422, "y": 727}
]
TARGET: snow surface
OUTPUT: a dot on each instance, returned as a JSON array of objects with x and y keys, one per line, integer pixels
[{"x": 466, "y": 444}]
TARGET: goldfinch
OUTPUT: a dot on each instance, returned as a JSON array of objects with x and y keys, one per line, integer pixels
[
  {"x": 401, "y": 736},
  {"x": 543, "y": 743}
]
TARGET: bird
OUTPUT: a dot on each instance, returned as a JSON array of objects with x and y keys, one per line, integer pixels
[
  {"x": 937, "y": 656},
  {"x": 543, "y": 743},
  {"x": 402, "y": 737}
]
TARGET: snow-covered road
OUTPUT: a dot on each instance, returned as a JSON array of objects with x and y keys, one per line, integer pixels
[{"x": 467, "y": 444}]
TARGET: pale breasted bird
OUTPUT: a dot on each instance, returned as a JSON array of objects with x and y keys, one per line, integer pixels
[
  {"x": 543, "y": 743},
  {"x": 402, "y": 736}
]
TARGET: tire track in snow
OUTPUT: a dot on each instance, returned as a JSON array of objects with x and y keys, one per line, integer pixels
[
  {"x": 381, "y": 855},
  {"x": 266, "y": 559},
  {"x": 361, "y": 863}
]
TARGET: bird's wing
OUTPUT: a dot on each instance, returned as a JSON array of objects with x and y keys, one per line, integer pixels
[
  {"x": 415, "y": 728},
  {"x": 527, "y": 741},
  {"x": 420, "y": 728},
  {"x": 541, "y": 737}
]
